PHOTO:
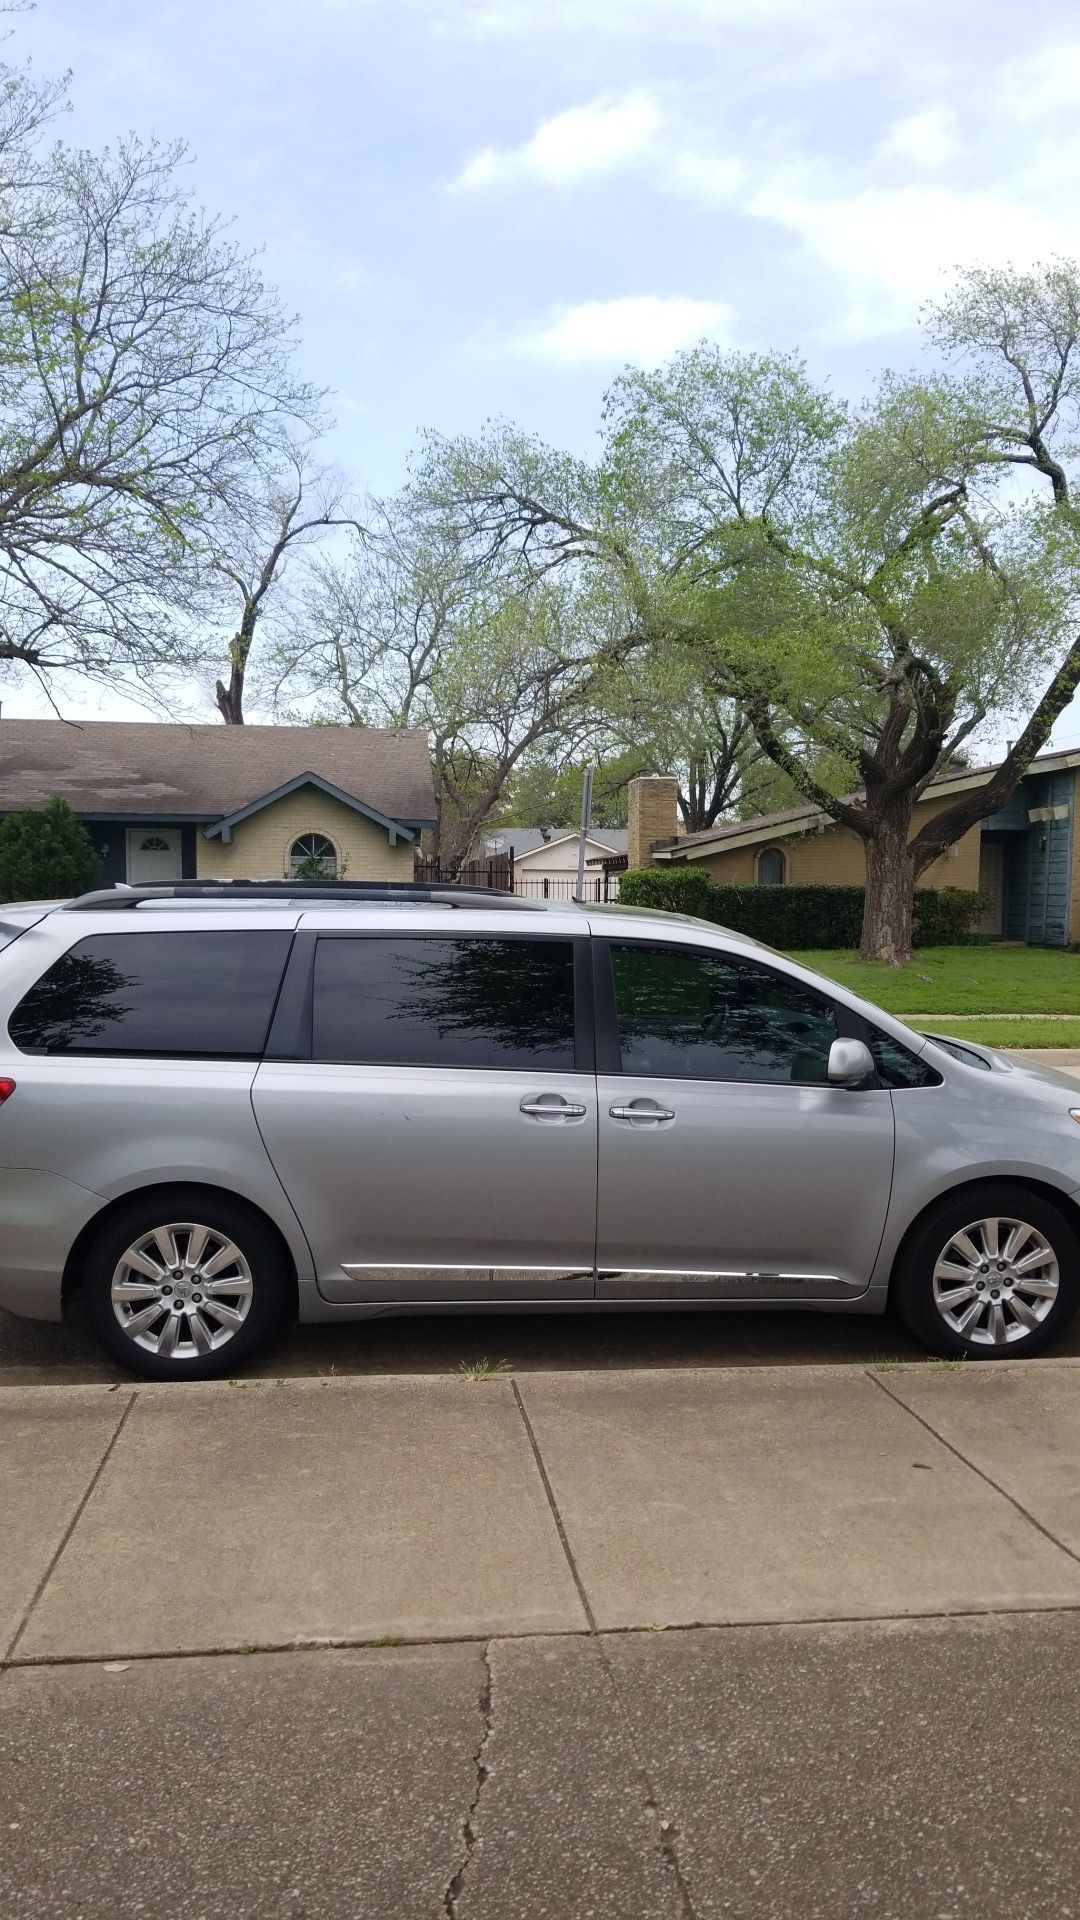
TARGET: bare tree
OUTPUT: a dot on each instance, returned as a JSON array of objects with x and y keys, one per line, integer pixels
[
  {"x": 415, "y": 630},
  {"x": 144, "y": 373},
  {"x": 299, "y": 503}
]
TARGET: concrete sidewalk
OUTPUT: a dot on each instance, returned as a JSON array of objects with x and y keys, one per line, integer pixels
[{"x": 864, "y": 1695}]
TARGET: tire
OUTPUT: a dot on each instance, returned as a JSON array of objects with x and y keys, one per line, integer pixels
[
  {"x": 948, "y": 1299},
  {"x": 222, "y": 1299}
]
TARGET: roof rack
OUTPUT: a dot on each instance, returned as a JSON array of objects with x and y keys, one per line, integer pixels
[{"x": 122, "y": 897}]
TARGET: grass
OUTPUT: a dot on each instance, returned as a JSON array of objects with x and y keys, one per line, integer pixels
[
  {"x": 483, "y": 1369},
  {"x": 949, "y": 980},
  {"x": 1003, "y": 1032}
]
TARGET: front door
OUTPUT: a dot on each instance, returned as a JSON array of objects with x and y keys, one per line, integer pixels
[
  {"x": 440, "y": 1142},
  {"x": 729, "y": 1168},
  {"x": 153, "y": 854}
]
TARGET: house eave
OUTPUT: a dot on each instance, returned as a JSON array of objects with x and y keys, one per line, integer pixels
[{"x": 396, "y": 829}]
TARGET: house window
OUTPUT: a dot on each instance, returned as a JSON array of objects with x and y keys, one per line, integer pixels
[
  {"x": 771, "y": 867},
  {"x": 154, "y": 844},
  {"x": 313, "y": 857}
]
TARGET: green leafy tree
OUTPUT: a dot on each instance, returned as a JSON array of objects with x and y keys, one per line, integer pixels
[
  {"x": 855, "y": 580},
  {"x": 45, "y": 854},
  {"x": 544, "y": 793}
]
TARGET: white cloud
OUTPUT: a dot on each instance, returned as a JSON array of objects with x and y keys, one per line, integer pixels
[
  {"x": 1042, "y": 83},
  {"x": 928, "y": 139},
  {"x": 705, "y": 176},
  {"x": 576, "y": 145},
  {"x": 890, "y": 249},
  {"x": 645, "y": 329},
  {"x": 512, "y": 17}
]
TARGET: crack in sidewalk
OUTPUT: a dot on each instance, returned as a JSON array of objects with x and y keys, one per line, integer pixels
[
  {"x": 666, "y": 1829},
  {"x": 452, "y": 1890}
]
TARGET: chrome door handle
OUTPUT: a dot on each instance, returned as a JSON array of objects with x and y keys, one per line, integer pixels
[
  {"x": 553, "y": 1109},
  {"x": 641, "y": 1113}
]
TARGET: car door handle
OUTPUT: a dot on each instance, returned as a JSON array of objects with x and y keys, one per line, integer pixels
[
  {"x": 638, "y": 1113},
  {"x": 552, "y": 1106}
]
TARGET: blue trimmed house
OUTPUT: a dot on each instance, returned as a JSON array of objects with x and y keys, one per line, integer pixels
[{"x": 172, "y": 802}]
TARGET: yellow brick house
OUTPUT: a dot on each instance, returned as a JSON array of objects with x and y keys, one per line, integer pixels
[
  {"x": 1026, "y": 857},
  {"x": 179, "y": 802}
]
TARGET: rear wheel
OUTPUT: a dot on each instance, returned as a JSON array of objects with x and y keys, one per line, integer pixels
[
  {"x": 992, "y": 1274},
  {"x": 184, "y": 1286}
]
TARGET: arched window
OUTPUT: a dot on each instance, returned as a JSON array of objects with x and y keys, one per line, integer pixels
[
  {"x": 771, "y": 867},
  {"x": 313, "y": 857},
  {"x": 154, "y": 844}
]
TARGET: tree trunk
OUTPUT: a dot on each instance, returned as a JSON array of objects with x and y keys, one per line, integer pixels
[
  {"x": 230, "y": 699},
  {"x": 890, "y": 890}
]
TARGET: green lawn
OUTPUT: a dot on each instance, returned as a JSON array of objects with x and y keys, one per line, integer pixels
[
  {"x": 1003, "y": 1032},
  {"x": 980, "y": 980}
]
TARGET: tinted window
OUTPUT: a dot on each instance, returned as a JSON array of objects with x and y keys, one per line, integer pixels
[
  {"x": 204, "y": 994},
  {"x": 445, "y": 1003},
  {"x": 703, "y": 1016},
  {"x": 898, "y": 1067}
]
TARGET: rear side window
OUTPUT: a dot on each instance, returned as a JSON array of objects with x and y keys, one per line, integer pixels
[
  {"x": 445, "y": 1003},
  {"x": 200, "y": 995}
]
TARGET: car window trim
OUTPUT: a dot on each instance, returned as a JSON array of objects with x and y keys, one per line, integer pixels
[
  {"x": 293, "y": 1028},
  {"x": 849, "y": 1024}
]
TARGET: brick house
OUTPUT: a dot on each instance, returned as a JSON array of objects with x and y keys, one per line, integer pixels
[
  {"x": 1026, "y": 856},
  {"x": 173, "y": 802}
]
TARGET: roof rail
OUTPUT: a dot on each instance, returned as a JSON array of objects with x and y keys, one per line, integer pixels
[{"x": 123, "y": 897}]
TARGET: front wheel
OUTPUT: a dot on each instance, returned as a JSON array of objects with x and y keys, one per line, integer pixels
[
  {"x": 992, "y": 1274},
  {"x": 184, "y": 1286}
]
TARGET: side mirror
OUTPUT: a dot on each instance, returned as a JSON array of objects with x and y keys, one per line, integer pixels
[{"x": 850, "y": 1061}]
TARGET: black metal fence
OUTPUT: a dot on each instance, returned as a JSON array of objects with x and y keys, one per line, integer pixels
[{"x": 499, "y": 872}]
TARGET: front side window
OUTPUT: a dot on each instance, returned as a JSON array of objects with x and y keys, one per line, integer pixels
[
  {"x": 194, "y": 995},
  {"x": 771, "y": 868},
  {"x": 897, "y": 1066},
  {"x": 312, "y": 857},
  {"x": 445, "y": 1003},
  {"x": 690, "y": 1015}
]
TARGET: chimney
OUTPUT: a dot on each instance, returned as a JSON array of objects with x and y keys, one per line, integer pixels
[{"x": 653, "y": 815}]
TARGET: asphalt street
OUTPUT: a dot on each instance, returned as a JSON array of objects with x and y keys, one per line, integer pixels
[{"x": 38, "y": 1353}]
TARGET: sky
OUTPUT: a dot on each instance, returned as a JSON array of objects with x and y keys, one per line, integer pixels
[{"x": 486, "y": 208}]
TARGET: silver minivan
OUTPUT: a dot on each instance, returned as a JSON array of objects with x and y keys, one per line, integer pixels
[{"x": 225, "y": 1103}]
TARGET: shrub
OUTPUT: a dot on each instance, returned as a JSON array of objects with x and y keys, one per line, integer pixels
[
  {"x": 797, "y": 916},
  {"x": 45, "y": 853}
]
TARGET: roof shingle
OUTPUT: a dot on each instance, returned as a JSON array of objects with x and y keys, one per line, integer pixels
[{"x": 173, "y": 770}]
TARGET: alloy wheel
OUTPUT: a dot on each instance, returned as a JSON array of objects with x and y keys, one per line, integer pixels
[
  {"x": 995, "y": 1281},
  {"x": 181, "y": 1291}
]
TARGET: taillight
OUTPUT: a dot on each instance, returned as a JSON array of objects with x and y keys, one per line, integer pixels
[{"x": 7, "y": 1088}]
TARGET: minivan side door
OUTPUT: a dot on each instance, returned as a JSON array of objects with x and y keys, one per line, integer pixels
[
  {"x": 729, "y": 1168},
  {"x": 435, "y": 1129}
]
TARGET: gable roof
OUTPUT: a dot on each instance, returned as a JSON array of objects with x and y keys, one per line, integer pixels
[
  {"x": 806, "y": 819},
  {"x": 134, "y": 769},
  {"x": 395, "y": 828},
  {"x": 529, "y": 840}
]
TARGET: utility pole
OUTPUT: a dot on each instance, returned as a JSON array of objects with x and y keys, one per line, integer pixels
[{"x": 586, "y": 822}]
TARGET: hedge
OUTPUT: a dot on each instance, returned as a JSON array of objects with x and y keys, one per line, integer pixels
[{"x": 798, "y": 916}]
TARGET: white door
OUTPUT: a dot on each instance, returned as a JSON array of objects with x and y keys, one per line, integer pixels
[{"x": 153, "y": 853}]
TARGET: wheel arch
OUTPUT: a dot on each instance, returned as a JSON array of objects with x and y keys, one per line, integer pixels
[
  {"x": 71, "y": 1282},
  {"x": 1066, "y": 1204}
]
